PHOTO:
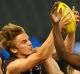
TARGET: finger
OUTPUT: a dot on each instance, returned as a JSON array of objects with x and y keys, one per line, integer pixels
[
  {"x": 78, "y": 19},
  {"x": 76, "y": 12},
  {"x": 67, "y": 19},
  {"x": 53, "y": 10},
  {"x": 67, "y": 22},
  {"x": 55, "y": 4},
  {"x": 73, "y": 9},
  {"x": 54, "y": 7},
  {"x": 60, "y": 11},
  {"x": 77, "y": 16},
  {"x": 64, "y": 16}
]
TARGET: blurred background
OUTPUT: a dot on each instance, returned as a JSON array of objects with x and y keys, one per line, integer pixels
[{"x": 33, "y": 15}]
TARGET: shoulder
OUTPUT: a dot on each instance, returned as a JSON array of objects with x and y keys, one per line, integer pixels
[
  {"x": 14, "y": 67},
  {"x": 21, "y": 65},
  {"x": 11, "y": 67}
]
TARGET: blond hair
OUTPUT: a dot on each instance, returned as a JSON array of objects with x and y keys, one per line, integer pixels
[{"x": 8, "y": 34}]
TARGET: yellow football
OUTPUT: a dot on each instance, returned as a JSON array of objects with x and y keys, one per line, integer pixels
[{"x": 65, "y": 10}]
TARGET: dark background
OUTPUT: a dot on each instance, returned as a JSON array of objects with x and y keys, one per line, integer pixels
[{"x": 33, "y": 15}]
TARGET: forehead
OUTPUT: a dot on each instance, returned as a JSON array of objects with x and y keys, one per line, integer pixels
[{"x": 21, "y": 37}]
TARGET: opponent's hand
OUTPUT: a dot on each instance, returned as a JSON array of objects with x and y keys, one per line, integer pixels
[
  {"x": 59, "y": 18},
  {"x": 54, "y": 15},
  {"x": 76, "y": 14},
  {"x": 65, "y": 21}
]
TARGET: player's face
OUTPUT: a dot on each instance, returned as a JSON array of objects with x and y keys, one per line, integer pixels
[{"x": 23, "y": 45}]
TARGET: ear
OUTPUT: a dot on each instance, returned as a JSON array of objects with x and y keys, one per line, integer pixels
[{"x": 13, "y": 50}]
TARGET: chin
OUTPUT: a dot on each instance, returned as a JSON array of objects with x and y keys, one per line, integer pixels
[{"x": 30, "y": 53}]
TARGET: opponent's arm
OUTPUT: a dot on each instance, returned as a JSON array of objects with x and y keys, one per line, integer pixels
[
  {"x": 70, "y": 38},
  {"x": 72, "y": 59}
]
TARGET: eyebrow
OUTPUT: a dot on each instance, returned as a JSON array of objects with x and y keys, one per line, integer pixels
[{"x": 25, "y": 39}]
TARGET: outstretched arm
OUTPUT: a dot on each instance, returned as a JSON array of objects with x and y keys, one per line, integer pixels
[
  {"x": 70, "y": 38},
  {"x": 69, "y": 42},
  {"x": 72, "y": 59},
  {"x": 51, "y": 66}
]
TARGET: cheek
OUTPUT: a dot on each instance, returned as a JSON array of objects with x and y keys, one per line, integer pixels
[
  {"x": 21, "y": 46},
  {"x": 24, "y": 47}
]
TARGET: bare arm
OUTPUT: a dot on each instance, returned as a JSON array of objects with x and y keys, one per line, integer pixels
[
  {"x": 22, "y": 65},
  {"x": 70, "y": 38},
  {"x": 72, "y": 59},
  {"x": 51, "y": 66},
  {"x": 48, "y": 46},
  {"x": 69, "y": 42}
]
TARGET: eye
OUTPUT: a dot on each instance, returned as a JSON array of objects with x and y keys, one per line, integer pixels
[{"x": 24, "y": 41}]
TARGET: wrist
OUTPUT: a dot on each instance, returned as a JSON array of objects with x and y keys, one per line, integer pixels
[{"x": 56, "y": 27}]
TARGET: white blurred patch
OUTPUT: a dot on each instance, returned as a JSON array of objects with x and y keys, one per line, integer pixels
[{"x": 76, "y": 49}]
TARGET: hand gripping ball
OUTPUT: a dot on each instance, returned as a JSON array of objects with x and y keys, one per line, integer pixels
[{"x": 71, "y": 27}]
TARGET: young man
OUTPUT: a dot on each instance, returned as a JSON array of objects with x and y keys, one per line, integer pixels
[
  {"x": 70, "y": 58},
  {"x": 23, "y": 57}
]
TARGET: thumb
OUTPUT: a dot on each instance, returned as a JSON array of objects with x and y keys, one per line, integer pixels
[
  {"x": 73, "y": 9},
  {"x": 60, "y": 12}
]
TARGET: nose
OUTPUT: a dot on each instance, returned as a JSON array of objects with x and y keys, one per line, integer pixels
[{"x": 29, "y": 43}]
